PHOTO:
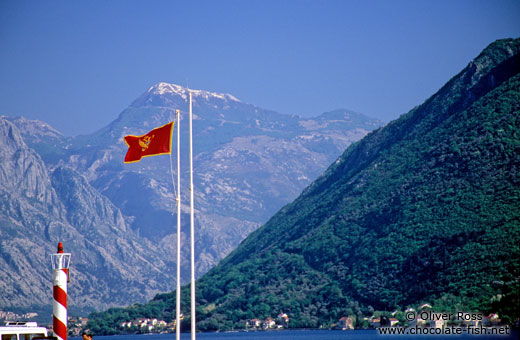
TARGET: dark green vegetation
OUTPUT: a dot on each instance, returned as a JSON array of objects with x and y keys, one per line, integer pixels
[{"x": 425, "y": 209}]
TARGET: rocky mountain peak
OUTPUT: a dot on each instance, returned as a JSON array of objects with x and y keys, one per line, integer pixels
[
  {"x": 172, "y": 93},
  {"x": 35, "y": 129},
  {"x": 10, "y": 135},
  {"x": 21, "y": 169}
]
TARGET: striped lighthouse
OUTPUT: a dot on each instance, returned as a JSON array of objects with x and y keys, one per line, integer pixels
[{"x": 60, "y": 268}]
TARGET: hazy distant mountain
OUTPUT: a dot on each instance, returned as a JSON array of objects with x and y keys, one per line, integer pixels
[
  {"x": 117, "y": 219},
  {"x": 422, "y": 210}
]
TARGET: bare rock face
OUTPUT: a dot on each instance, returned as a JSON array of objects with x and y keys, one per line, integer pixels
[{"x": 22, "y": 171}]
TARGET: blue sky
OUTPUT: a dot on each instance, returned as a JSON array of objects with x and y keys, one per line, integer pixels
[{"x": 78, "y": 64}]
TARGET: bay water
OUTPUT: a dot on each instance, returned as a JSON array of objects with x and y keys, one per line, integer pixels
[{"x": 303, "y": 335}]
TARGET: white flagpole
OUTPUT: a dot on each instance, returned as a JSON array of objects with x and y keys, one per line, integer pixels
[
  {"x": 178, "y": 309},
  {"x": 192, "y": 233}
]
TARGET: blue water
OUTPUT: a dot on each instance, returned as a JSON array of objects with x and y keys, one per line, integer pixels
[{"x": 302, "y": 335}]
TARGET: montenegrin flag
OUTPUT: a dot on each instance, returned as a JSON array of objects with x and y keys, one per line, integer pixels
[{"x": 156, "y": 142}]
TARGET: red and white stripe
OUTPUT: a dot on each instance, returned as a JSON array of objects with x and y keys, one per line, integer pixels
[{"x": 59, "y": 304}]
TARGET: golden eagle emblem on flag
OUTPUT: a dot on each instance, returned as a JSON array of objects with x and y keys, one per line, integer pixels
[{"x": 145, "y": 142}]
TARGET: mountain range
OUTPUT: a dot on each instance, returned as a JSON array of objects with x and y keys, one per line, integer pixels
[
  {"x": 424, "y": 209},
  {"x": 117, "y": 219}
]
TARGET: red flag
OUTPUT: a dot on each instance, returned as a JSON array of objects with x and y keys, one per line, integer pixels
[{"x": 156, "y": 142}]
